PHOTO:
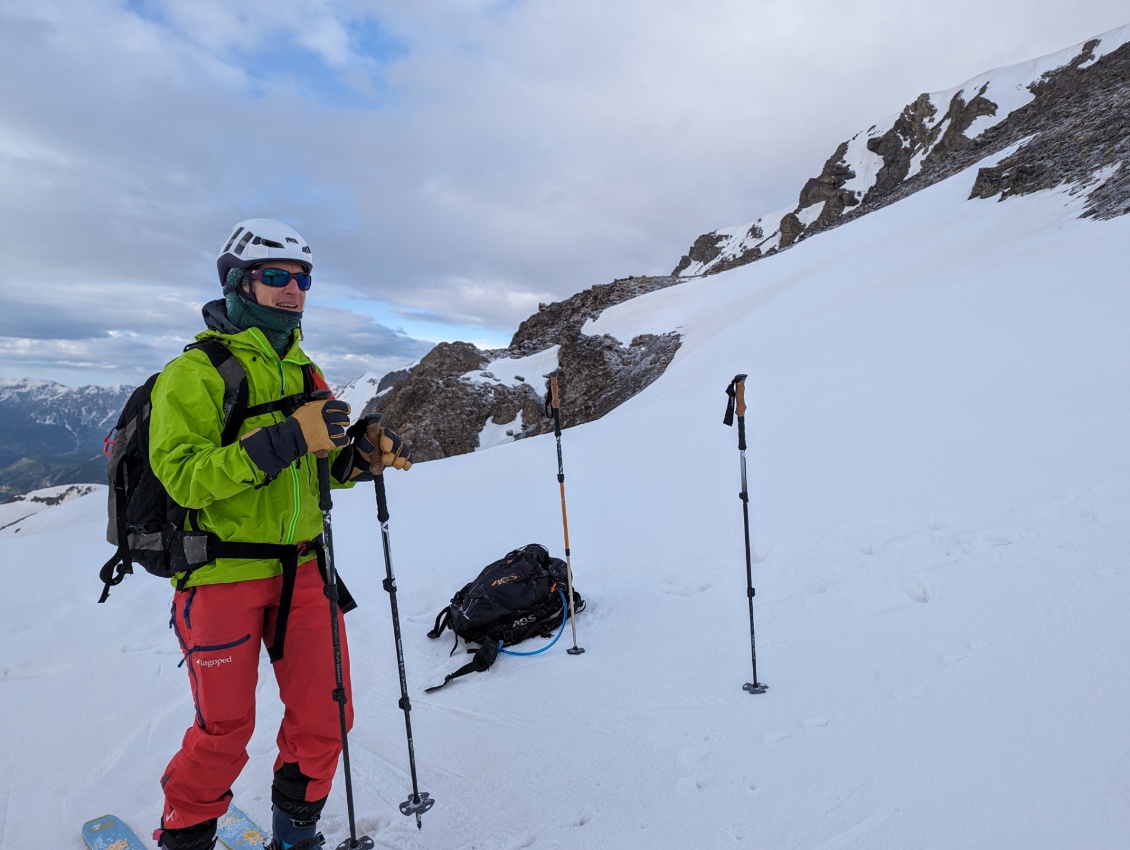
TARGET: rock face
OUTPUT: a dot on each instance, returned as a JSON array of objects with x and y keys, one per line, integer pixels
[
  {"x": 1079, "y": 125},
  {"x": 444, "y": 403},
  {"x": 1072, "y": 128}
]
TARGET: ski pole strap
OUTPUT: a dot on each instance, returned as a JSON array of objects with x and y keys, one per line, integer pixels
[
  {"x": 553, "y": 400},
  {"x": 736, "y": 392}
]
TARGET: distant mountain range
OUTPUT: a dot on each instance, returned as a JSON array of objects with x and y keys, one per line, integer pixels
[{"x": 51, "y": 434}]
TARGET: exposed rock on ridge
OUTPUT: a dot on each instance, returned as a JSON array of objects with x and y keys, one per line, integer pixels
[
  {"x": 448, "y": 398},
  {"x": 1074, "y": 130}
]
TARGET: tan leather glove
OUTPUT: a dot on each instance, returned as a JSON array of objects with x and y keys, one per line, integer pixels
[
  {"x": 361, "y": 461},
  {"x": 317, "y": 426},
  {"x": 394, "y": 451},
  {"x": 323, "y": 424}
]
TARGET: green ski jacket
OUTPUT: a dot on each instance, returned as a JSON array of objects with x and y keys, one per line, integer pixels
[{"x": 221, "y": 482}]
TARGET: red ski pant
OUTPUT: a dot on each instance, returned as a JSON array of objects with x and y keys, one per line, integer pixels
[{"x": 221, "y": 628}]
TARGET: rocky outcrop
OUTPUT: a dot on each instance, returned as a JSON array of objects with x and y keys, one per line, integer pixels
[
  {"x": 828, "y": 188},
  {"x": 1074, "y": 131},
  {"x": 704, "y": 250},
  {"x": 1079, "y": 126},
  {"x": 443, "y": 404},
  {"x": 429, "y": 407},
  {"x": 1112, "y": 198}
]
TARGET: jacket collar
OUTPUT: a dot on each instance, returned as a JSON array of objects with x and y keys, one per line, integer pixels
[{"x": 217, "y": 321}]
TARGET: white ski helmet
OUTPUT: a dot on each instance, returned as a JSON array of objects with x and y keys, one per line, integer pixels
[{"x": 259, "y": 239}]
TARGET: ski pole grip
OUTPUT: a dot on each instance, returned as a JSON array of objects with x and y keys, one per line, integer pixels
[
  {"x": 382, "y": 499},
  {"x": 735, "y": 393},
  {"x": 554, "y": 398},
  {"x": 325, "y": 501}
]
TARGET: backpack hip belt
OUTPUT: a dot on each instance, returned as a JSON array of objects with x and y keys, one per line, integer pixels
[{"x": 208, "y": 545}]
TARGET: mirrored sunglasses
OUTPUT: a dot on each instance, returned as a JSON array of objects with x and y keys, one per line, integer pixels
[{"x": 279, "y": 278}]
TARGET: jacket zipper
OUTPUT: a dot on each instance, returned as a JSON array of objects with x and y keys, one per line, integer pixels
[{"x": 296, "y": 489}]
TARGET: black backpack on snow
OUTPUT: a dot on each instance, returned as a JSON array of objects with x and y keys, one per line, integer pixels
[{"x": 519, "y": 596}]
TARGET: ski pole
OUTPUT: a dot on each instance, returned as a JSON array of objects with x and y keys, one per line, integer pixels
[
  {"x": 554, "y": 402},
  {"x": 417, "y": 802},
  {"x": 339, "y": 695},
  {"x": 736, "y": 392}
]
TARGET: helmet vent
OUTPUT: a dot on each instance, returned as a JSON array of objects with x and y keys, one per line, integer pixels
[
  {"x": 238, "y": 250},
  {"x": 235, "y": 233}
]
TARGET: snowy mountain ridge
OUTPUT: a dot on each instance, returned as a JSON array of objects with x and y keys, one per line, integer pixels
[
  {"x": 91, "y": 403},
  {"x": 936, "y": 134},
  {"x": 52, "y": 434}
]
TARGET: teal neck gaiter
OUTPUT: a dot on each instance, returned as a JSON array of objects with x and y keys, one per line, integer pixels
[{"x": 277, "y": 325}]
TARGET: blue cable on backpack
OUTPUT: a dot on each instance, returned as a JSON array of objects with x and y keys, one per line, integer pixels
[{"x": 564, "y": 616}]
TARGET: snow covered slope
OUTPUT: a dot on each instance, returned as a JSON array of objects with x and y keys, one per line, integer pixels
[{"x": 940, "y": 500}]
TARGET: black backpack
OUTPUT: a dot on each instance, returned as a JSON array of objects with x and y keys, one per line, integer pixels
[
  {"x": 145, "y": 524},
  {"x": 519, "y": 596}
]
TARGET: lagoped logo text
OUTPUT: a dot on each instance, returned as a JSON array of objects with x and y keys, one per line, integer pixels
[{"x": 212, "y": 662}]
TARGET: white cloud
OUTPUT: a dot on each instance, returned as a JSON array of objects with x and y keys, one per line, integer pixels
[{"x": 456, "y": 160}]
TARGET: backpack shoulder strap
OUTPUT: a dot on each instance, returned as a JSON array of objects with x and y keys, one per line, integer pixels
[
  {"x": 311, "y": 382},
  {"x": 484, "y": 657},
  {"x": 235, "y": 385}
]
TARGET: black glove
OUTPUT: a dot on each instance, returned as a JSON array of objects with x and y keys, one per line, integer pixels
[{"x": 317, "y": 427}]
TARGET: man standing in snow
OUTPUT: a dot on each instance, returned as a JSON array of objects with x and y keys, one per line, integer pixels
[{"x": 254, "y": 494}]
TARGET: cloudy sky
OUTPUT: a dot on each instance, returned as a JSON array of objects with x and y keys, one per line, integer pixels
[{"x": 452, "y": 162}]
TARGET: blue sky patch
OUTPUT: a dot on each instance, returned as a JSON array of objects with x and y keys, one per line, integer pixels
[{"x": 283, "y": 63}]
